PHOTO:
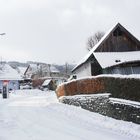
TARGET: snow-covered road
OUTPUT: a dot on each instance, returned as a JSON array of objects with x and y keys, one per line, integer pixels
[{"x": 37, "y": 115}]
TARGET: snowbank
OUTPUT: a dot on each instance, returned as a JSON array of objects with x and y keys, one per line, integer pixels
[
  {"x": 53, "y": 120},
  {"x": 101, "y": 103}
]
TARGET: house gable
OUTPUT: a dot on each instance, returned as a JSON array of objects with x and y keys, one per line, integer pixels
[
  {"x": 119, "y": 40},
  {"x": 117, "y": 47},
  {"x": 96, "y": 68},
  {"x": 83, "y": 69},
  {"x": 127, "y": 43}
]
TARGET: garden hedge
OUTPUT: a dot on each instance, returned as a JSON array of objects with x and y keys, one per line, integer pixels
[{"x": 119, "y": 87}]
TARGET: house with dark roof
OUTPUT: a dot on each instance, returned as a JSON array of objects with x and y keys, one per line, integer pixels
[{"x": 118, "y": 52}]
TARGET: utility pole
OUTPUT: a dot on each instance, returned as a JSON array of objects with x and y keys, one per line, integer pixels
[
  {"x": 49, "y": 66},
  {"x": 66, "y": 69},
  {"x": 2, "y": 34}
]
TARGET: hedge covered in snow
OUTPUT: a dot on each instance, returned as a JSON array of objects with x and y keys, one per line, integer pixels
[{"x": 119, "y": 87}]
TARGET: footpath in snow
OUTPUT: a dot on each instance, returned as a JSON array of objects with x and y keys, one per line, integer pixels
[{"x": 37, "y": 115}]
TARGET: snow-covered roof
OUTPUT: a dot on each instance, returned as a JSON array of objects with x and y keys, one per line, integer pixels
[
  {"x": 98, "y": 44},
  {"x": 54, "y": 69},
  {"x": 22, "y": 70},
  {"x": 46, "y": 82},
  {"x": 8, "y": 73},
  {"x": 44, "y": 67},
  {"x": 94, "y": 48},
  {"x": 34, "y": 67},
  {"x": 108, "y": 59}
]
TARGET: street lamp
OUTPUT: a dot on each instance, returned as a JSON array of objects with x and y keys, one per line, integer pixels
[{"x": 2, "y": 34}]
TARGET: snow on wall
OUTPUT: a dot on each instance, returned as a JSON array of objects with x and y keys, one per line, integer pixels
[
  {"x": 46, "y": 82},
  {"x": 84, "y": 70}
]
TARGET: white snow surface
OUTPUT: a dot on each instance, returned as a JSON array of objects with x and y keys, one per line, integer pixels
[
  {"x": 53, "y": 69},
  {"x": 131, "y": 76},
  {"x": 22, "y": 70},
  {"x": 46, "y": 82},
  {"x": 125, "y": 102},
  {"x": 8, "y": 73},
  {"x": 108, "y": 59},
  {"x": 86, "y": 96},
  {"x": 37, "y": 115}
]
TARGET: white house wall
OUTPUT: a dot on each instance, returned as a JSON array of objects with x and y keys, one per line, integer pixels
[
  {"x": 12, "y": 85},
  {"x": 84, "y": 70}
]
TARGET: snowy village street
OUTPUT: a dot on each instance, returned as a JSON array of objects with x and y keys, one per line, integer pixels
[
  {"x": 37, "y": 115},
  {"x": 69, "y": 70}
]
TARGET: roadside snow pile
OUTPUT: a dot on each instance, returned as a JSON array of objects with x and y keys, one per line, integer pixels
[
  {"x": 26, "y": 116},
  {"x": 32, "y": 98},
  {"x": 125, "y": 102},
  {"x": 90, "y": 120},
  {"x": 101, "y": 103},
  {"x": 131, "y": 76},
  {"x": 27, "y": 92}
]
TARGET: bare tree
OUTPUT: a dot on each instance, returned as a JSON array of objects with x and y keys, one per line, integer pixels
[{"x": 93, "y": 40}]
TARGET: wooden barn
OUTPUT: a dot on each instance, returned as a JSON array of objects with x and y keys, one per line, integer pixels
[{"x": 118, "y": 52}]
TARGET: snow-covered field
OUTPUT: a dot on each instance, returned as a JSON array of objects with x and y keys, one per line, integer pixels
[{"x": 37, "y": 115}]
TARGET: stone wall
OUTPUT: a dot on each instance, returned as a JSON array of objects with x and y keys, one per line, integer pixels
[{"x": 103, "y": 105}]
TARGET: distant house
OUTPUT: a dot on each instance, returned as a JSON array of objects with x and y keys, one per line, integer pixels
[
  {"x": 26, "y": 83},
  {"x": 118, "y": 52},
  {"x": 49, "y": 84},
  {"x": 41, "y": 70},
  {"x": 22, "y": 70},
  {"x": 11, "y": 76}
]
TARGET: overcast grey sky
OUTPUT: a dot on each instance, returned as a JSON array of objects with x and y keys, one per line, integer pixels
[{"x": 56, "y": 31}]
